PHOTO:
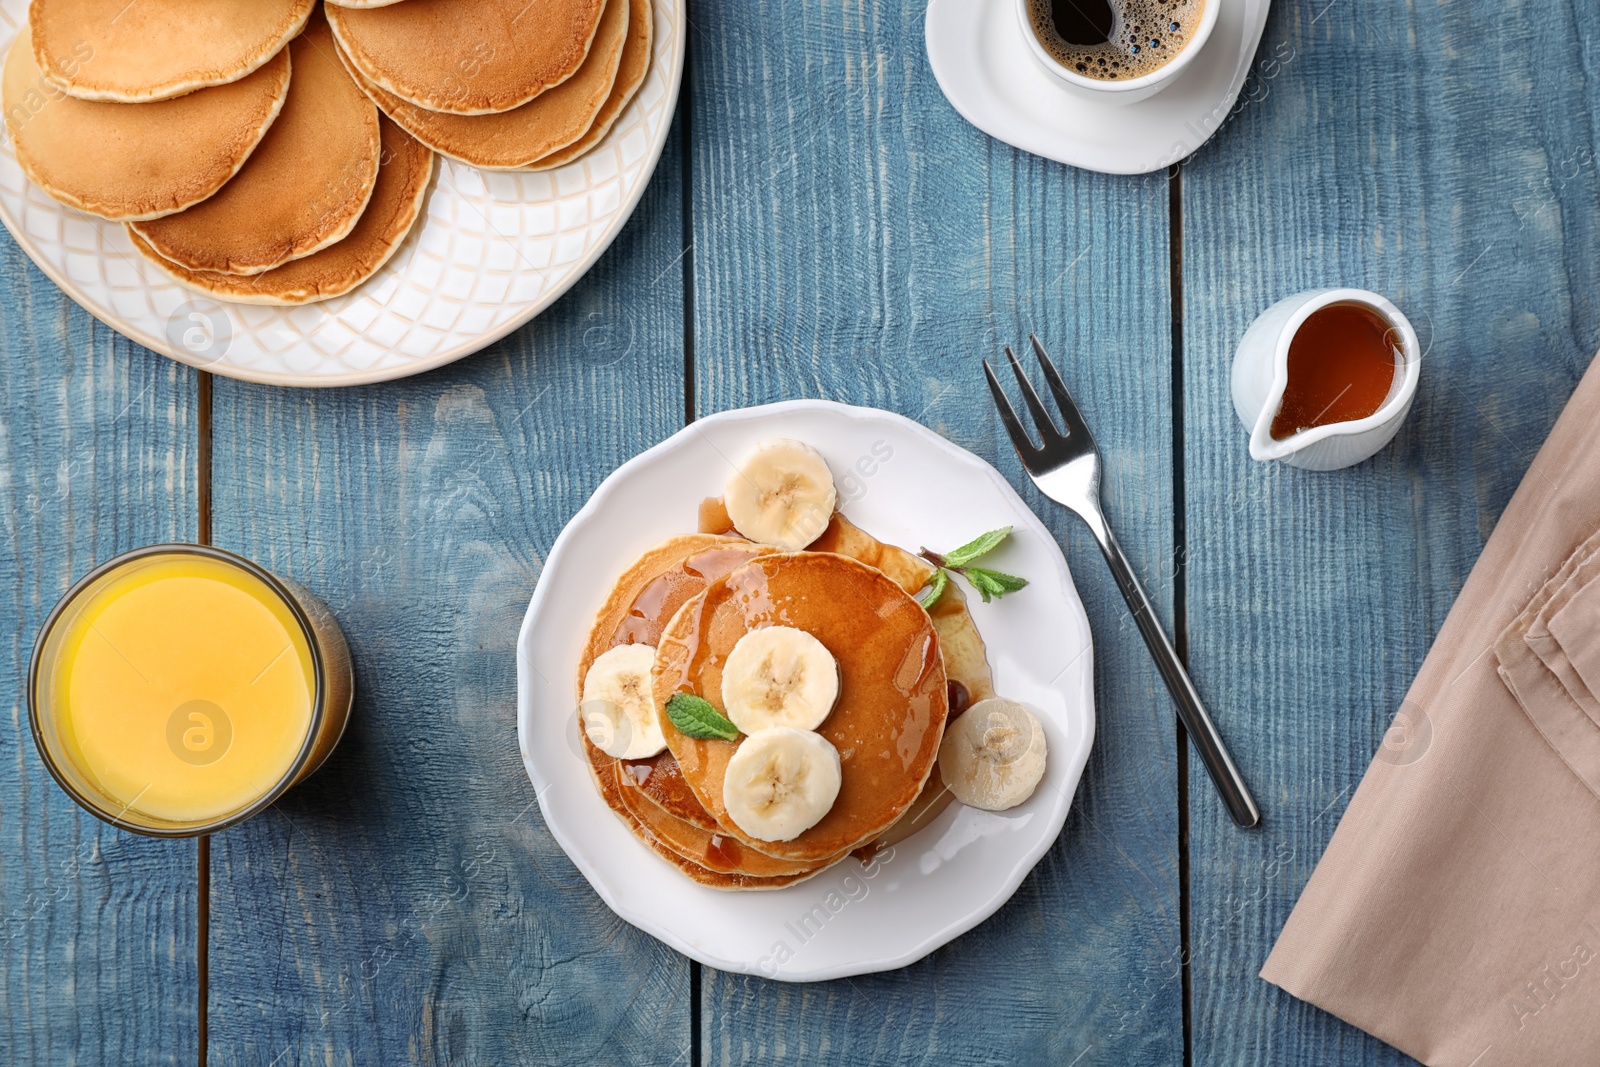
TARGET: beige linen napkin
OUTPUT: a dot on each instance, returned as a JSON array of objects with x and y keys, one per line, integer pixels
[{"x": 1456, "y": 911}]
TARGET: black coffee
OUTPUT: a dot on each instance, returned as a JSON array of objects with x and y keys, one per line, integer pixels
[{"x": 1115, "y": 39}]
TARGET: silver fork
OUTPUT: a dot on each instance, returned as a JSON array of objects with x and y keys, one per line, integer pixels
[{"x": 1066, "y": 468}]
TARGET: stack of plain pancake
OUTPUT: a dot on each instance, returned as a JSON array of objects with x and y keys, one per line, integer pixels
[
  {"x": 906, "y": 672},
  {"x": 279, "y": 151}
]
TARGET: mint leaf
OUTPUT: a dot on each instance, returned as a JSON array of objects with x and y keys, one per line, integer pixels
[
  {"x": 930, "y": 596},
  {"x": 989, "y": 584},
  {"x": 986, "y": 589},
  {"x": 993, "y": 584},
  {"x": 1001, "y": 582},
  {"x": 977, "y": 548},
  {"x": 696, "y": 717}
]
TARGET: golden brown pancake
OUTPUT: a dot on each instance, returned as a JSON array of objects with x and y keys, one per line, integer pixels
[
  {"x": 643, "y": 599},
  {"x": 631, "y": 71},
  {"x": 362, "y": 5},
  {"x": 890, "y": 713},
  {"x": 489, "y": 56},
  {"x": 968, "y": 680},
  {"x": 607, "y": 771},
  {"x": 515, "y": 138},
  {"x": 304, "y": 187},
  {"x": 125, "y": 162},
  {"x": 611, "y": 794},
  {"x": 397, "y": 199},
  {"x": 908, "y": 571},
  {"x": 966, "y": 661},
  {"x": 648, "y": 594},
  {"x": 659, "y": 780},
  {"x": 651, "y": 795},
  {"x": 655, "y": 585},
  {"x": 711, "y": 849},
  {"x": 136, "y": 51}
]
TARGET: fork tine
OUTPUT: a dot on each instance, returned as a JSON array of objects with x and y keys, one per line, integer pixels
[
  {"x": 1008, "y": 415},
  {"x": 1041, "y": 417},
  {"x": 1069, "y": 410}
]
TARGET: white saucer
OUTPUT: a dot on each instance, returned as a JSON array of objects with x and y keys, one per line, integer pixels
[
  {"x": 985, "y": 69},
  {"x": 926, "y": 890}
]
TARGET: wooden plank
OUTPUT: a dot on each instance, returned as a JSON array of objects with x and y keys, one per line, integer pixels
[
  {"x": 97, "y": 456},
  {"x": 856, "y": 240},
  {"x": 407, "y": 904},
  {"x": 1448, "y": 161}
]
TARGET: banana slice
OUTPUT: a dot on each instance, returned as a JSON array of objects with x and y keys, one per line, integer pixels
[
  {"x": 781, "y": 782},
  {"x": 779, "y": 676},
  {"x": 618, "y": 711},
  {"x": 782, "y": 496},
  {"x": 993, "y": 756}
]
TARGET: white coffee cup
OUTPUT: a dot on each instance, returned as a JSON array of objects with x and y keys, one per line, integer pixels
[{"x": 1127, "y": 90}]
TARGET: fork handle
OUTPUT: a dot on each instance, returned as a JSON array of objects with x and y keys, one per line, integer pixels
[{"x": 1202, "y": 732}]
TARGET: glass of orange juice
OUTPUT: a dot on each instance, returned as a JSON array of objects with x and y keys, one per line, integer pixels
[{"x": 179, "y": 689}]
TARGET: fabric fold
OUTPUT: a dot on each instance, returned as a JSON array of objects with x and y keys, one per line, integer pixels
[
  {"x": 1535, "y": 667},
  {"x": 1575, "y": 626}
]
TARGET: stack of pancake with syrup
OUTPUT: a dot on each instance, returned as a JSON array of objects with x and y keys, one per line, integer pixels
[
  {"x": 279, "y": 151},
  {"x": 767, "y": 696}
]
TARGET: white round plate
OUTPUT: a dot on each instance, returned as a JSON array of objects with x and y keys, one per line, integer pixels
[
  {"x": 492, "y": 250},
  {"x": 988, "y": 73},
  {"x": 906, "y": 485}
]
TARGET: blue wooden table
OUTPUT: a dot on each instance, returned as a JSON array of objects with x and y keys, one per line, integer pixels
[{"x": 823, "y": 224}]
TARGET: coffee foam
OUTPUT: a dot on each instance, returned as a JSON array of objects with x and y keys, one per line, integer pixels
[{"x": 1146, "y": 35}]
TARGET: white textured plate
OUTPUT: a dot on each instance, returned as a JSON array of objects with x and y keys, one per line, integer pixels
[
  {"x": 988, "y": 73},
  {"x": 904, "y": 484},
  {"x": 491, "y": 251}
]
